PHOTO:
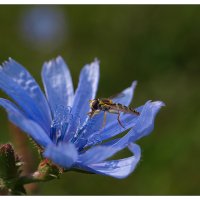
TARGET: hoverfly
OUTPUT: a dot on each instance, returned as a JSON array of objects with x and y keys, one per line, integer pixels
[{"x": 107, "y": 105}]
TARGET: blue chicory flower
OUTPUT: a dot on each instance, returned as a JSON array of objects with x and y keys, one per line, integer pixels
[{"x": 59, "y": 122}]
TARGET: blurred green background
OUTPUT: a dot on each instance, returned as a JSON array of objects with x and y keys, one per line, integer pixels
[{"x": 157, "y": 45}]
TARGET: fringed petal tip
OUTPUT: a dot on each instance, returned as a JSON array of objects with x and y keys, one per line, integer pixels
[
  {"x": 59, "y": 58},
  {"x": 56, "y": 59},
  {"x": 6, "y": 62},
  {"x": 134, "y": 84},
  {"x": 9, "y": 60},
  {"x": 156, "y": 105},
  {"x": 93, "y": 65},
  {"x": 159, "y": 103},
  {"x": 96, "y": 60}
]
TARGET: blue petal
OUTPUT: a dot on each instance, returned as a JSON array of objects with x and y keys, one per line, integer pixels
[
  {"x": 142, "y": 125},
  {"x": 64, "y": 155},
  {"x": 95, "y": 124},
  {"x": 96, "y": 154},
  {"x": 87, "y": 87},
  {"x": 30, "y": 127},
  {"x": 57, "y": 83},
  {"x": 117, "y": 168},
  {"x": 20, "y": 85}
]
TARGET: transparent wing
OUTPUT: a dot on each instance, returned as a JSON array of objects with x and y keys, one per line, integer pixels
[
  {"x": 113, "y": 97},
  {"x": 116, "y": 96}
]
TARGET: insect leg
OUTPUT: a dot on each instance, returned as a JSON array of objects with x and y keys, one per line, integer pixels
[
  {"x": 118, "y": 119},
  {"x": 90, "y": 114},
  {"x": 93, "y": 112}
]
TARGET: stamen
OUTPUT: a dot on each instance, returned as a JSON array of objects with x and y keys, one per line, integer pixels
[
  {"x": 73, "y": 129},
  {"x": 84, "y": 132}
]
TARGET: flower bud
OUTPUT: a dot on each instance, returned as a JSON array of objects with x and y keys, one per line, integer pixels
[{"x": 8, "y": 168}]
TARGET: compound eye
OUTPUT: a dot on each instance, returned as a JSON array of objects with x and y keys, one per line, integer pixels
[{"x": 95, "y": 105}]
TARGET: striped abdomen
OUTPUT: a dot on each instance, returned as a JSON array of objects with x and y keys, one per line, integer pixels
[{"x": 125, "y": 109}]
